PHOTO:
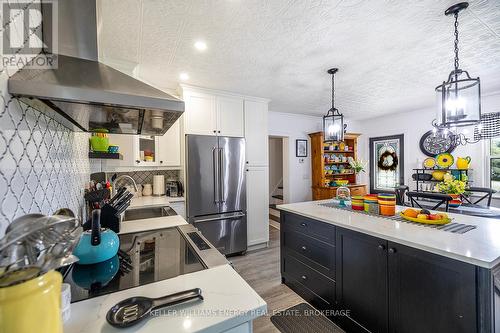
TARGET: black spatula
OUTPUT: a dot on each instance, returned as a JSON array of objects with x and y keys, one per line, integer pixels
[{"x": 132, "y": 310}]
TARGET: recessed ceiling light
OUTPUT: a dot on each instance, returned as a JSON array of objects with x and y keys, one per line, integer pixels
[
  {"x": 184, "y": 76},
  {"x": 200, "y": 45}
]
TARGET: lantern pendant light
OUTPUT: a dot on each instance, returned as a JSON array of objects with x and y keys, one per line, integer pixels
[
  {"x": 333, "y": 121},
  {"x": 459, "y": 98}
]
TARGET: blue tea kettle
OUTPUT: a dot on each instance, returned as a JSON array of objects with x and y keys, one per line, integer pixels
[{"x": 96, "y": 245}]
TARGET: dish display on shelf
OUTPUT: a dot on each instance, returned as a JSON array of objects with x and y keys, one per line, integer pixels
[
  {"x": 438, "y": 175},
  {"x": 444, "y": 160},
  {"x": 429, "y": 163}
]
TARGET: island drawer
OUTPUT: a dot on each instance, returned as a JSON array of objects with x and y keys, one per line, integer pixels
[
  {"x": 315, "y": 253},
  {"x": 319, "y": 230},
  {"x": 307, "y": 277}
]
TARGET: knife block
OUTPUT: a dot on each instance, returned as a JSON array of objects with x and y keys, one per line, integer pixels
[{"x": 109, "y": 219}]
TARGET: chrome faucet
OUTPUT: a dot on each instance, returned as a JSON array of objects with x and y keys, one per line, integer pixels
[{"x": 113, "y": 191}]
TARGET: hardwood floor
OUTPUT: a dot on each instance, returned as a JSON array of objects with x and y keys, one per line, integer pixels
[{"x": 261, "y": 270}]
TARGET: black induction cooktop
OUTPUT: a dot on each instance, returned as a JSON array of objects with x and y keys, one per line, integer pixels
[{"x": 143, "y": 258}]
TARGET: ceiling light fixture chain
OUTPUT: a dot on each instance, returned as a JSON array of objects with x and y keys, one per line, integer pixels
[
  {"x": 456, "y": 44},
  {"x": 333, "y": 92}
]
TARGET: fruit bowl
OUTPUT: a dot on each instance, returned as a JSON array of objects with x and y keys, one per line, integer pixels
[{"x": 426, "y": 221}]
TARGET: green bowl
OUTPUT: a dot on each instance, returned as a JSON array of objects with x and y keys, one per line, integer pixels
[{"x": 99, "y": 143}]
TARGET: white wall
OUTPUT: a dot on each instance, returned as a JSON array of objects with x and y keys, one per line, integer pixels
[
  {"x": 413, "y": 125},
  {"x": 275, "y": 163},
  {"x": 295, "y": 127}
]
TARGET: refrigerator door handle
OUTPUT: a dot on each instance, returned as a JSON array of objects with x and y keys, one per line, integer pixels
[
  {"x": 222, "y": 175},
  {"x": 230, "y": 217},
  {"x": 215, "y": 161}
]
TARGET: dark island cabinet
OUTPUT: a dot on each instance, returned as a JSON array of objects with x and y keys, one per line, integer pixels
[
  {"x": 430, "y": 293},
  {"x": 362, "y": 281},
  {"x": 385, "y": 287}
]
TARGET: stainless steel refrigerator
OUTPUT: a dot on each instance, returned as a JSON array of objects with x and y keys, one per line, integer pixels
[{"x": 216, "y": 190}]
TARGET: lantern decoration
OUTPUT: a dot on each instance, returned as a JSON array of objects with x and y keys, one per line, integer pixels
[{"x": 333, "y": 121}]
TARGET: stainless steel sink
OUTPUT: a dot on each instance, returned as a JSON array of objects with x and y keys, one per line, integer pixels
[{"x": 147, "y": 213}]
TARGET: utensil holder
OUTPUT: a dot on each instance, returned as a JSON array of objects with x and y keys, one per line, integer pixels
[{"x": 33, "y": 305}]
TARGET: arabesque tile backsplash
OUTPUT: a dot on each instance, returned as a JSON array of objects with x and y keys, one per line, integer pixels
[{"x": 43, "y": 165}]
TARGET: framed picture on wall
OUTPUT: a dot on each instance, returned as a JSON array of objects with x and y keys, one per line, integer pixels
[
  {"x": 386, "y": 163},
  {"x": 301, "y": 148}
]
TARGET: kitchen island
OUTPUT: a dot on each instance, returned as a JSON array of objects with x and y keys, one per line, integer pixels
[
  {"x": 388, "y": 275},
  {"x": 229, "y": 304}
]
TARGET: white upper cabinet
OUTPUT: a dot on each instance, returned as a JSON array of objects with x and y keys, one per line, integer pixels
[
  {"x": 230, "y": 118},
  {"x": 200, "y": 115},
  {"x": 210, "y": 112},
  {"x": 256, "y": 114},
  {"x": 169, "y": 146}
]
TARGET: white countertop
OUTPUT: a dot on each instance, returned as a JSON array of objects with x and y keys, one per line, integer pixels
[
  {"x": 127, "y": 227},
  {"x": 228, "y": 302},
  {"x": 152, "y": 201},
  {"x": 480, "y": 246}
]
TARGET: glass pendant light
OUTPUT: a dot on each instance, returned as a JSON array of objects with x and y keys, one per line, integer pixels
[
  {"x": 333, "y": 121},
  {"x": 459, "y": 98}
]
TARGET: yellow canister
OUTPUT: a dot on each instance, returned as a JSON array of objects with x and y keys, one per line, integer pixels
[{"x": 32, "y": 306}]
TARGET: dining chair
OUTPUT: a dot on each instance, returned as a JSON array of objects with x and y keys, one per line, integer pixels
[
  {"x": 440, "y": 198},
  {"x": 487, "y": 193},
  {"x": 400, "y": 194}
]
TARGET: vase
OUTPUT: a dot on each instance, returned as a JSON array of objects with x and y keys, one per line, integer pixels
[{"x": 456, "y": 202}]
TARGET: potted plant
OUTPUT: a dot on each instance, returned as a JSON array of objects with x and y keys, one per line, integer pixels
[
  {"x": 357, "y": 166},
  {"x": 454, "y": 187}
]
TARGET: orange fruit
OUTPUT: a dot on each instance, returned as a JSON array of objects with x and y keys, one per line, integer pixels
[
  {"x": 410, "y": 212},
  {"x": 422, "y": 216}
]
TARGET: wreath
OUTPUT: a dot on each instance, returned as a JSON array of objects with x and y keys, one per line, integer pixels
[{"x": 388, "y": 161}]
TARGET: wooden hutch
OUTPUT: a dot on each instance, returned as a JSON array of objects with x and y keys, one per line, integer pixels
[{"x": 330, "y": 165}]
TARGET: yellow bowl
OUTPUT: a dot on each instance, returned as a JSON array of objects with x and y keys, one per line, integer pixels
[{"x": 414, "y": 219}]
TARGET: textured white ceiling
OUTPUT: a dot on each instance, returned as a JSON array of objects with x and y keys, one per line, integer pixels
[{"x": 391, "y": 54}]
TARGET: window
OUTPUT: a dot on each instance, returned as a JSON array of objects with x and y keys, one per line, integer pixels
[{"x": 495, "y": 164}]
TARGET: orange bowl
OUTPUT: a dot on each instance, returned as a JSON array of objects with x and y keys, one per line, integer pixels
[{"x": 387, "y": 210}]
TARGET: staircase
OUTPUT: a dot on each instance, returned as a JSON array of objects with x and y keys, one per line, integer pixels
[{"x": 276, "y": 199}]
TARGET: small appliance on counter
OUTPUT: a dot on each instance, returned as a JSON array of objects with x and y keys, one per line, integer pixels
[{"x": 174, "y": 188}]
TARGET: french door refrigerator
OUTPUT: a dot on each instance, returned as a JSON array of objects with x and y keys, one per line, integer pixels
[{"x": 216, "y": 190}]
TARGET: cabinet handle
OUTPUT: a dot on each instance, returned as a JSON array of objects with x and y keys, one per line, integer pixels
[
  {"x": 248, "y": 170},
  {"x": 303, "y": 225},
  {"x": 215, "y": 131},
  {"x": 218, "y": 131},
  {"x": 161, "y": 161},
  {"x": 381, "y": 247},
  {"x": 247, "y": 162},
  {"x": 304, "y": 248},
  {"x": 392, "y": 250},
  {"x": 304, "y": 277},
  {"x": 137, "y": 161}
]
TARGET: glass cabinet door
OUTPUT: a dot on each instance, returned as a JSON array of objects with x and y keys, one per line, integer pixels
[{"x": 146, "y": 150}]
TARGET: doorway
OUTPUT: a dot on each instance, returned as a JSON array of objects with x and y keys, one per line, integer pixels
[{"x": 278, "y": 171}]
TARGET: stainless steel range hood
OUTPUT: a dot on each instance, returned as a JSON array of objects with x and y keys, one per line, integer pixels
[{"x": 84, "y": 94}]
